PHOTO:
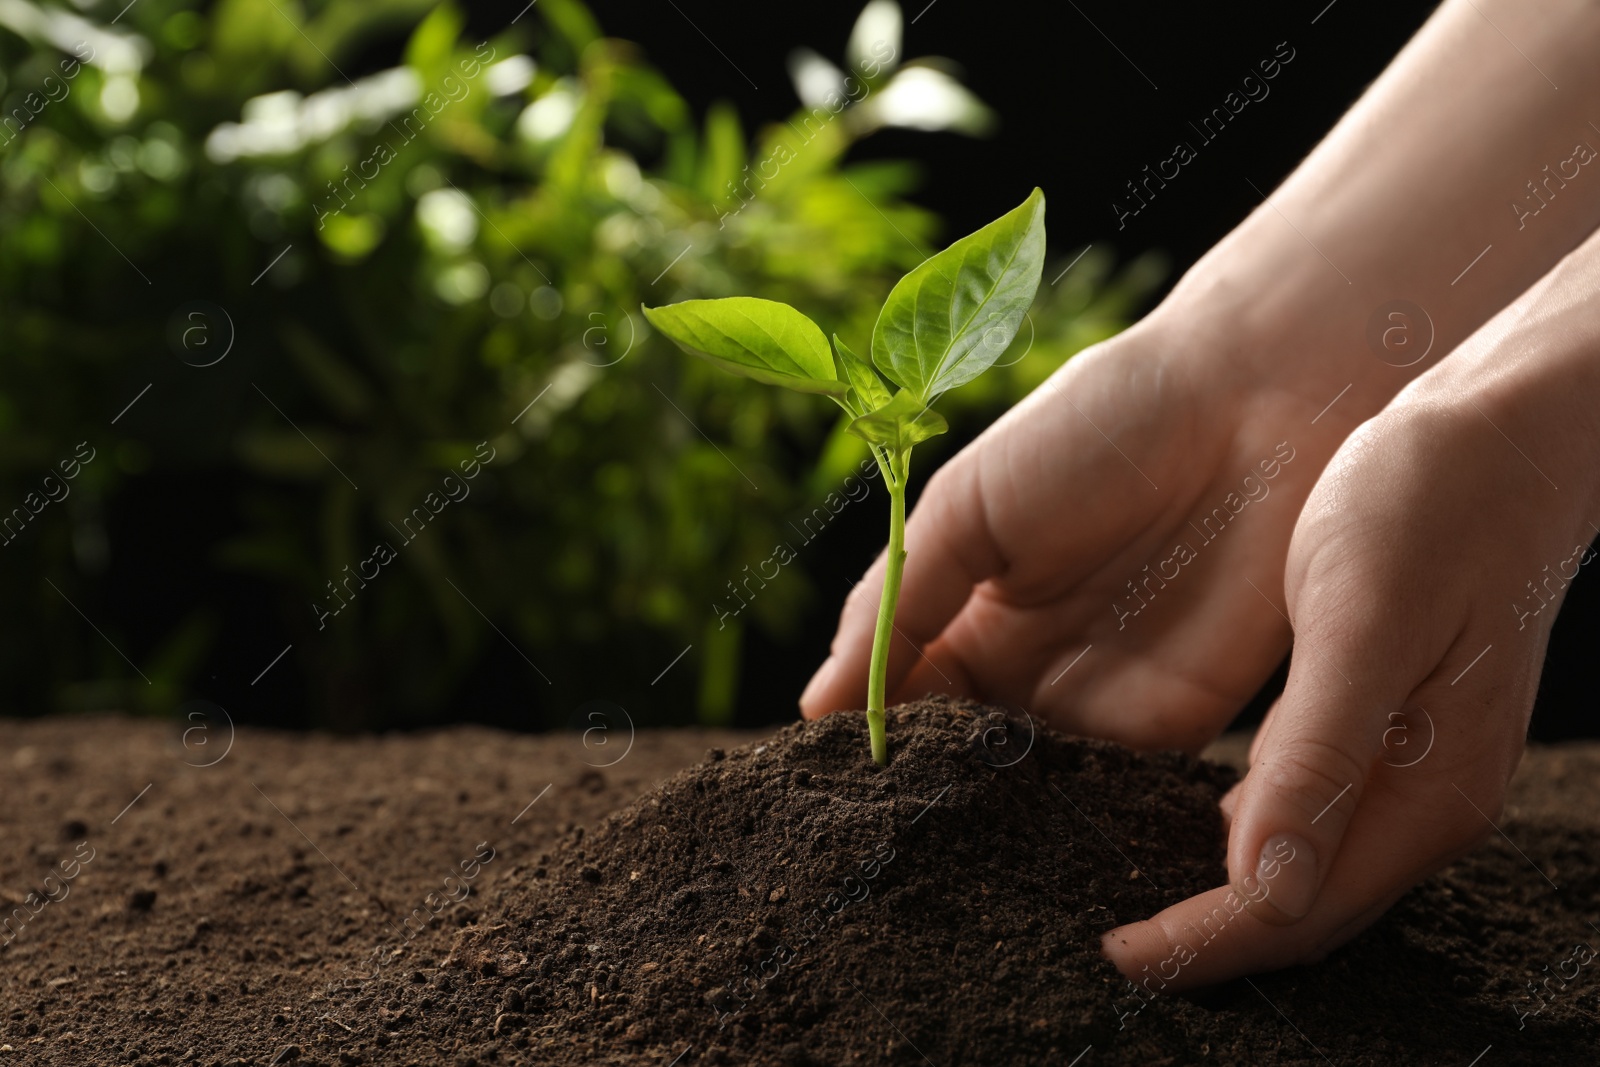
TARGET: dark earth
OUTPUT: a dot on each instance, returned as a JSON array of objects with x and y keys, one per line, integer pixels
[{"x": 684, "y": 897}]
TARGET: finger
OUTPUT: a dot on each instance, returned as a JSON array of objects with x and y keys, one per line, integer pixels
[
  {"x": 949, "y": 549},
  {"x": 1216, "y": 936},
  {"x": 839, "y": 682},
  {"x": 1222, "y": 933},
  {"x": 1261, "y": 733},
  {"x": 1205, "y": 939},
  {"x": 938, "y": 669},
  {"x": 1349, "y": 670},
  {"x": 1226, "y": 806}
]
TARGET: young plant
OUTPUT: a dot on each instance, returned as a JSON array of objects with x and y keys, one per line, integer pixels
[{"x": 945, "y": 323}]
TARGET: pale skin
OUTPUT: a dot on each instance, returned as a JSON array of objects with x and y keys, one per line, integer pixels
[{"x": 1390, "y": 550}]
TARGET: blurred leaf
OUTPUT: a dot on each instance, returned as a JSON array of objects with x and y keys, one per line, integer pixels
[
  {"x": 182, "y": 651},
  {"x": 340, "y": 387},
  {"x": 434, "y": 40},
  {"x": 814, "y": 78},
  {"x": 344, "y": 24},
  {"x": 875, "y": 39},
  {"x": 652, "y": 94},
  {"x": 722, "y": 158},
  {"x": 572, "y": 21},
  {"x": 284, "y": 454},
  {"x": 921, "y": 96},
  {"x": 352, "y": 237},
  {"x": 719, "y": 677},
  {"x": 251, "y": 31}
]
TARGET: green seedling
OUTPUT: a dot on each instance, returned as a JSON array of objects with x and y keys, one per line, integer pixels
[{"x": 945, "y": 323}]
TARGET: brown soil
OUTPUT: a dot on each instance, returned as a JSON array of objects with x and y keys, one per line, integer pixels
[{"x": 784, "y": 902}]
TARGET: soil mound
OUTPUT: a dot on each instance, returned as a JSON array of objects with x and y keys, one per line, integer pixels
[
  {"x": 229, "y": 914},
  {"x": 791, "y": 903}
]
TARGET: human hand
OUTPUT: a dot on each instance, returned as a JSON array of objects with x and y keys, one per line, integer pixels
[
  {"x": 1024, "y": 542},
  {"x": 1060, "y": 529},
  {"x": 1421, "y": 584}
]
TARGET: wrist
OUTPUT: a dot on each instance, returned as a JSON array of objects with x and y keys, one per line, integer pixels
[
  {"x": 1530, "y": 381},
  {"x": 1260, "y": 324}
]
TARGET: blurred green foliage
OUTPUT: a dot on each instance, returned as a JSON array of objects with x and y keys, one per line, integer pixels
[{"x": 400, "y": 266}]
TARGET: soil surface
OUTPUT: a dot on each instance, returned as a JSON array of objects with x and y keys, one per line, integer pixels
[{"x": 185, "y": 895}]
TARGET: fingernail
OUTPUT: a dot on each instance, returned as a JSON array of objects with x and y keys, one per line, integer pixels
[
  {"x": 818, "y": 680},
  {"x": 1287, "y": 874}
]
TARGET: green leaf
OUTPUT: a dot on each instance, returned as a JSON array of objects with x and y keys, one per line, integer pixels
[
  {"x": 434, "y": 39},
  {"x": 723, "y": 161},
  {"x": 866, "y": 388},
  {"x": 947, "y": 321},
  {"x": 899, "y": 424},
  {"x": 572, "y": 21},
  {"x": 351, "y": 238},
  {"x": 760, "y": 339}
]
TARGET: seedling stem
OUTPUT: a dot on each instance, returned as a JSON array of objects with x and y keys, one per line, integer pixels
[{"x": 894, "y": 474}]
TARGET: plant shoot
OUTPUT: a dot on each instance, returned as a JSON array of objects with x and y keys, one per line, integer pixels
[{"x": 944, "y": 323}]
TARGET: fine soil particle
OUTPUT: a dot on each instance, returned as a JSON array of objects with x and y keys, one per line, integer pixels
[
  {"x": 222, "y": 881},
  {"x": 782, "y": 902},
  {"x": 793, "y": 903}
]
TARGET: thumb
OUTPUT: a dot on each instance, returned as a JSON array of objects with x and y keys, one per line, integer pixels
[{"x": 1316, "y": 754}]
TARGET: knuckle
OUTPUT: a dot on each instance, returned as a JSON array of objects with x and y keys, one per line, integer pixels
[
  {"x": 1308, "y": 773},
  {"x": 957, "y": 470},
  {"x": 938, "y": 483},
  {"x": 1138, "y": 735},
  {"x": 857, "y": 614},
  {"x": 1154, "y": 734},
  {"x": 857, "y": 600},
  {"x": 1331, "y": 603}
]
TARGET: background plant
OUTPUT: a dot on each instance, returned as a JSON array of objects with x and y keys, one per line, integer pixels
[{"x": 491, "y": 264}]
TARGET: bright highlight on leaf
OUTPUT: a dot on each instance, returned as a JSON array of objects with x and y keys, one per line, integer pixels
[
  {"x": 944, "y": 324},
  {"x": 760, "y": 339},
  {"x": 947, "y": 321}
]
